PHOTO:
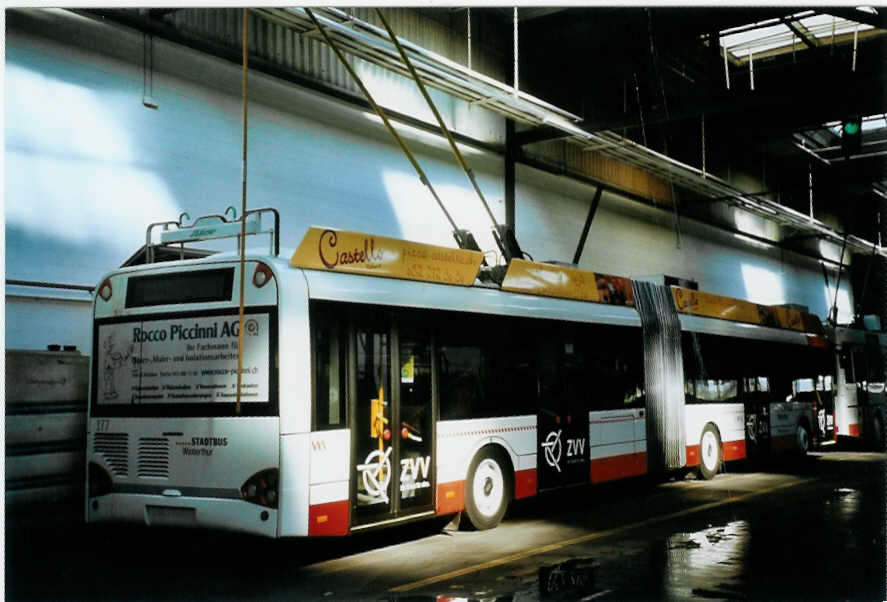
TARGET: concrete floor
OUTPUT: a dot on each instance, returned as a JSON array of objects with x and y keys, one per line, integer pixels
[{"x": 812, "y": 529}]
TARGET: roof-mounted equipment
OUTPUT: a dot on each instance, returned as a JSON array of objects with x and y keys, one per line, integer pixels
[{"x": 209, "y": 227}]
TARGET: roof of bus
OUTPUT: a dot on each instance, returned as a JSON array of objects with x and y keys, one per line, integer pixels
[
  {"x": 849, "y": 334},
  {"x": 357, "y": 288},
  {"x": 327, "y": 250},
  {"x": 530, "y": 290}
]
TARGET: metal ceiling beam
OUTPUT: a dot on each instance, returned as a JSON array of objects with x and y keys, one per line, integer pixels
[
  {"x": 371, "y": 43},
  {"x": 691, "y": 178},
  {"x": 796, "y": 30},
  {"x": 539, "y": 134}
]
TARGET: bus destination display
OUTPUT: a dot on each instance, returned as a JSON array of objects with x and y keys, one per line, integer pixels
[{"x": 178, "y": 361}]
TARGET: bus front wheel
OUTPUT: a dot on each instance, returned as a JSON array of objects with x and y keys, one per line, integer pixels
[
  {"x": 709, "y": 452},
  {"x": 488, "y": 488}
]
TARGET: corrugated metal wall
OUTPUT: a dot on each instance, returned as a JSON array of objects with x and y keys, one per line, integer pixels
[
  {"x": 45, "y": 427},
  {"x": 443, "y": 33}
]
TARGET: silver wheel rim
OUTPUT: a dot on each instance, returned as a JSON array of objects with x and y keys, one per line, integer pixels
[
  {"x": 803, "y": 439},
  {"x": 709, "y": 451},
  {"x": 488, "y": 487}
]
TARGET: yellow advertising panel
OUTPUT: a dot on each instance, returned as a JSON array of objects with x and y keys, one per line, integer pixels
[
  {"x": 358, "y": 253},
  {"x": 550, "y": 281},
  {"x": 700, "y": 303},
  {"x": 567, "y": 283}
]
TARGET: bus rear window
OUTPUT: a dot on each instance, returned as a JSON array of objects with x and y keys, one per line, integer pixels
[{"x": 201, "y": 286}]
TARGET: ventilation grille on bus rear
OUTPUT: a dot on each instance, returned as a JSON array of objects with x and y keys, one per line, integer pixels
[
  {"x": 114, "y": 448},
  {"x": 153, "y": 457}
]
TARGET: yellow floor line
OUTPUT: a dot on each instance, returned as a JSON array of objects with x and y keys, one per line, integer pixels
[{"x": 584, "y": 538}]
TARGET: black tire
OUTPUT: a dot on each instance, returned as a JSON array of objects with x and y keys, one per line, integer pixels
[
  {"x": 488, "y": 488},
  {"x": 878, "y": 433},
  {"x": 803, "y": 438},
  {"x": 710, "y": 452}
]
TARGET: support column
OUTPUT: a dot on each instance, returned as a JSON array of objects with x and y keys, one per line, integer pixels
[
  {"x": 511, "y": 151},
  {"x": 592, "y": 210}
]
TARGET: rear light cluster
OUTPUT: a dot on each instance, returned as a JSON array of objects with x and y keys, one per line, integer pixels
[
  {"x": 99, "y": 480},
  {"x": 261, "y": 488},
  {"x": 262, "y": 275},
  {"x": 105, "y": 290}
]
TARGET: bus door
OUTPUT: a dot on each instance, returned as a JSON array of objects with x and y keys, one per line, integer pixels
[
  {"x": 757, "y": 400},
  {"x": 562, "y": 451},
  {"x": 392, "y": 422}
]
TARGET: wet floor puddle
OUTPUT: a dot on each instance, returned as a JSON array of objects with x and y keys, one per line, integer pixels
[
  {"x": 713, "y": 563},
  {"x": 704, "y": 564}
]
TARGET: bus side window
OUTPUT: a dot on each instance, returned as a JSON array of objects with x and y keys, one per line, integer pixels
[
  {"x": 461, "y": 368},
  {"x": 613, "y": 367},
  {"x": 329, "y": 373}
]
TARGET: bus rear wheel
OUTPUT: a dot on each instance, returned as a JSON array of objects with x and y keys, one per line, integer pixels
[
  {"x": 709, "y": 452},
  {"x": 878, "y": 433},
  {"x": 803, "y": 438},
  {"x": 488, "y": 488}
]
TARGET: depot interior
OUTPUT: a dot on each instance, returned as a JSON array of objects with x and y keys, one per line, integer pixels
[{"x": 737, "y": 150}]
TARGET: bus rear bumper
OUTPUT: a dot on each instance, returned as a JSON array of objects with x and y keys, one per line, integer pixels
[{"x": 159, "y": 510}]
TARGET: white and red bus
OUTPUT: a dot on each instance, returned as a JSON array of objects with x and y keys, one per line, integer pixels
[
  {"x": 381, "y": 383},
  {"x": 859, "y": 383},
  {"x": 740, "y": 390}
]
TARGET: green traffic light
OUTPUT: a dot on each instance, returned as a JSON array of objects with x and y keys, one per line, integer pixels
[{"x": 851, "y": 128}]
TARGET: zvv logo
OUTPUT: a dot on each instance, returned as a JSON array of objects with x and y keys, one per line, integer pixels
[
  {"x": 411, "y": 467},
  {"x": 376, "y": 471},
  {"x": 553, "y": 448},
  {"x": 575, "y": 447}
]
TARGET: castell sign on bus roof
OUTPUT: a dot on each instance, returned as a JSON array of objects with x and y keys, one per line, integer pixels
[{"x": 358, "y": 253}]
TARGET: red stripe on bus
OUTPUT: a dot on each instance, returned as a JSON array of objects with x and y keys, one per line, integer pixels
[
  {"x": 854, "y": 430},
  {"x": 731, "y": 450},
  {"x": 450, "y": 497},
  {"x": 525, "y": 483},
  {"x": 734, "y": 450},
  {"x": 692, "y": 455},
  {"x": 328, "y": 519},
  {"x": 618, "y": 467}
]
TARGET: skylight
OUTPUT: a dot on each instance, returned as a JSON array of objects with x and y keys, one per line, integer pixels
[
  {"x": 869, "y": 124},
  {"x": 788, "y": 34}
]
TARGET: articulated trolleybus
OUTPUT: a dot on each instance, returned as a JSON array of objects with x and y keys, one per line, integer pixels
[
  {"x": 861, "y": 364},
  {"x": 382, "y": 381}
]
